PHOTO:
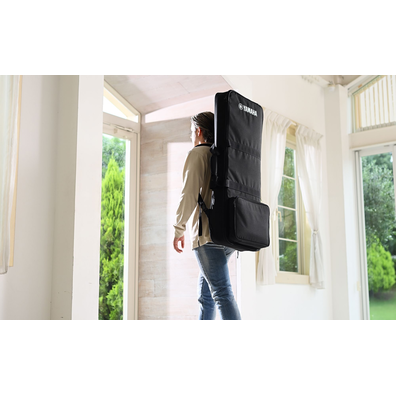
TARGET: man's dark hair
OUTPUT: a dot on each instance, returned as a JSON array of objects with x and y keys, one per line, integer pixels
[{"x": 205, "y": 121}]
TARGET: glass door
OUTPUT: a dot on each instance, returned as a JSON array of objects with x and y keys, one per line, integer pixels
[
  {"x": 119, "y": 238},
  {"x": 376, "y": 186},
  {"x": 112, "y": 230}
]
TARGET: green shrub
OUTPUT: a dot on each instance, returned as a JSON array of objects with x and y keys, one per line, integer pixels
[
  {"x": 380, "y": 268},
  {"x": 112, "y": 243}
]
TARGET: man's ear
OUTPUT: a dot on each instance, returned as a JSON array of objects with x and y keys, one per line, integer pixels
[{"x": 199, "y": 131}]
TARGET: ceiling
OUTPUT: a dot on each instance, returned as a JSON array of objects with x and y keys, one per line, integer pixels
[
  {"x": 150, "y": 93},
  {"x": 342, "y": 80}
]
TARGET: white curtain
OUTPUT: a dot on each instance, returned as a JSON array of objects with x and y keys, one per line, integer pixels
[
  {"x": 9, "y": 91},
  {"x": 272, "y": 160},
  {"x": 309, "y": 168}
]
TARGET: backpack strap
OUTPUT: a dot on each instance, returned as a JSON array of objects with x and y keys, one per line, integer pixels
[{"x": 202, "y": 207}]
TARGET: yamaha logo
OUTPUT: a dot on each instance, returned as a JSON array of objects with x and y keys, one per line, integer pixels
[{"x": 247, "y": 109}]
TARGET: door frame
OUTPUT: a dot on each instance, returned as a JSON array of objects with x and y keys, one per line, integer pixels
[{"x": 130, "y": 131}]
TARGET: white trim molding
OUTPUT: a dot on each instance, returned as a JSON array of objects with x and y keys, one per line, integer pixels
[{"x": 316, "y": 80}]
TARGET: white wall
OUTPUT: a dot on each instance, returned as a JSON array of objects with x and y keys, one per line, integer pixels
[
  {"x": 62, "y": 271},
  {"x": 343, "y": 225},
  {"x": 57, "y": 231},
  {"x": 87, "y": 216},
  {"x": 302, "y": 102},
  {"x": 75, "y": 276},
  {"x": 25, "y": 291}
]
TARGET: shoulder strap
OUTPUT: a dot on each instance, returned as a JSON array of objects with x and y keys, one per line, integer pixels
[
  {"x": 204, "y": 144},
  {"x": 202, "y": 207},
  {"x": 202, "y": 203}
]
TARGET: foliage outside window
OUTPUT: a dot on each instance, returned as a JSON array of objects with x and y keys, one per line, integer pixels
[
  {"x": 379, "y": 213},
  {"x": 292, "y": 227},
  {"x": 287, "y": 216},
  {"x": 111, "y": 284}
]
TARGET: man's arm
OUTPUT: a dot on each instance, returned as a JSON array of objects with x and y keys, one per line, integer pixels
[{"x": 193, "y": 177}]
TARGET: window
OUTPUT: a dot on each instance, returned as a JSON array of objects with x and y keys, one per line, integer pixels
[
  {"x": 115, "y": 104},
  {"x": 120, "y": 213},
  {"x": 291, "y": 232},
  {"x": 376, "y": 171},
  {"x": 112, "y": 230},
  {"x": 374, "y": 104}
]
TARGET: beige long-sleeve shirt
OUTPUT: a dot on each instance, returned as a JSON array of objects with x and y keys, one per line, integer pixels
[{"x": 196, "y": 180}]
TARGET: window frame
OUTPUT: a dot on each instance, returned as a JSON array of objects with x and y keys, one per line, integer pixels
[
  {"x": 131, "y": 114},
  {"x": 303, "y": 231},
  {"x": 130, "y": 131},
  {"x": 359, "y": 154},
  {"x": 356, "y": 110}
]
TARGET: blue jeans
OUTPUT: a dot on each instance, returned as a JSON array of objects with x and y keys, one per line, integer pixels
[{"x": 214, "y": 286}]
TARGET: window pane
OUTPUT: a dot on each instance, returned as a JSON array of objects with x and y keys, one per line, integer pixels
[
  {"x": 288, "y": 256},
  {"x": 287, "y": 224},
  {"x": 379, "y": 214},
  {"x": 287, "y": 194},
  {"x": 111, "y": 284},
  {"x": 113, "y": 105},
  {"x": 288, "y": 168},
  {"x": 375, "y": 105},
  {"x": 110, "y": 108}
]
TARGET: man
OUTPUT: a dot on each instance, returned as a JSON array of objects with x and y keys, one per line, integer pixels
[{"x": 214, "y": 286}]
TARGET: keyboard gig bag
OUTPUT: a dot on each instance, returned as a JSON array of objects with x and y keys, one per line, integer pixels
[{"x": 237, "y": 218}]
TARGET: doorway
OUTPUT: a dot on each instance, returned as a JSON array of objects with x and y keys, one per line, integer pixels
[
  {"x": 376, "y": 169},
  {"x": 119, "y": 220}
]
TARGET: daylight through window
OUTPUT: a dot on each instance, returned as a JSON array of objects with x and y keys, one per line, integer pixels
[
  {"x": 374, "y": 104},
  {"x": 115, "y": 104},
  {"x": 287, "y": 216}
]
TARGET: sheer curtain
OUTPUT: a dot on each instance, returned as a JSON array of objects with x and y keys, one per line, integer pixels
[
  {"x": 9, "y": 91},
  {"x": 309, "y": 168},
  {"x": 272, "y": 159}
]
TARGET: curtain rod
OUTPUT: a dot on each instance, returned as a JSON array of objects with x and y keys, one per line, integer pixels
[{"x": 293, "y": 123}]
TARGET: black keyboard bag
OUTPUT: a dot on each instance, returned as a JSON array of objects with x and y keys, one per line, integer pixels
[{"x": 237, "y": 218}]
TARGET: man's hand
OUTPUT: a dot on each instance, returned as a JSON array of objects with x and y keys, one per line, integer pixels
[{"x": 176, "y": 242}]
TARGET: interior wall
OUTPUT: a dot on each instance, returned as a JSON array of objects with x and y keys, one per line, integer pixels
[
  {"x": 87, "y": 215},
  {"x": 25, "y": 291},
  {"x": 65, "y": 184},
  {"x": 343, "y": 226},
  {"x": 60, "y": 139},
  {"x": 167, "y": 279},
  {"x": 302, "y": 102},
  {"x": 75, "y": 275}
]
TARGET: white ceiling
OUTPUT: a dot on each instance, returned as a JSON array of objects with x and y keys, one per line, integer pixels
[
  {"x": 150, "y": 93},
  {"x": 343, "y": 80}
]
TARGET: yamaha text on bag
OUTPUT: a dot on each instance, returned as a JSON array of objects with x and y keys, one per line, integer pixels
[{"x": 247, "y": 109}]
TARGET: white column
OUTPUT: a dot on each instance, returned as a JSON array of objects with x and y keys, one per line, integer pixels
[
  {"x": 75, "y": 276},
  {"x": 87, "y": 213},
  {"x": 65, "y": 163},
  {"x": 343, "y": 230}
]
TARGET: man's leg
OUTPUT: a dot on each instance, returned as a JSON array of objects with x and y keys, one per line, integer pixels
[{"x": 213, "y": 262}]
